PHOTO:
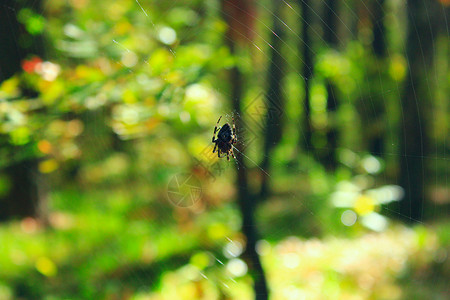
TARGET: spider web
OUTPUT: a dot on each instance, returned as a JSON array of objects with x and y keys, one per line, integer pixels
[{"x": 254, "y": 112}]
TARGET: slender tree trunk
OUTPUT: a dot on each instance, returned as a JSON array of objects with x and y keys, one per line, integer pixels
[
  {"x": 377, "y": 122},
  {"x": 274, "y": 97},
  {"x": 10, "y": 53},
  {"x": 378, "y": 28},
  {"x": 305, "y": 45},
  {"x": 331, "y": 38},
  {"x": 246, "y": 200},
  {"x": 371, "y": 105},
  {"x": 27, "y": 195},
  {"x": 330, "y": 34},
  {"x": 416, "y": 99}
]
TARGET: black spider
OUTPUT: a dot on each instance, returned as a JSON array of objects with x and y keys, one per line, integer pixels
[{"x": 225, "y": 139}]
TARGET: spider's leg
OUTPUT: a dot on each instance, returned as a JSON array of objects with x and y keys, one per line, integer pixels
[
  {"x": 232, "y": 153},
  {"x": 221, "y": 153},
  {"x": 228, "y": 156},
  {"x": 215, "y": 146},
  {"x": 218, "y": 153},
  {"x": 234, "y": 131},
  {"x": 215, "y": 129}
]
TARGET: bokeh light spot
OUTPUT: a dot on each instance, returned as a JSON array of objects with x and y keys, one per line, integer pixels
[
  {"x": 237, "y": 267},
  {"x": 45, "y": 266},
  {"x": 349, "y": 217},
  {"x": 167, "y": 35}
]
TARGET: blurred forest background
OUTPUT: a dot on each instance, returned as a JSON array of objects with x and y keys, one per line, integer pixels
[{"x": 109, "y": 188}]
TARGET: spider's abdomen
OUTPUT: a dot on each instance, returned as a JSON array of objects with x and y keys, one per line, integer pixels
[{"x": 225, "y": 134}]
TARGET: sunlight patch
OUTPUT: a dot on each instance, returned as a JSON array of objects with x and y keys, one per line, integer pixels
[
  {"x": 237, "y": 267},
  {"x": 348, "y": 217},
  {"x": 167, "y": 35}
]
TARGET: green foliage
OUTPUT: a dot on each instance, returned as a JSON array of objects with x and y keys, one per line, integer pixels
[{"x": 128, "y": 95}]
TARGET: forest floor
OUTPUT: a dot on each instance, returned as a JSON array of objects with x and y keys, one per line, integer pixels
[{"x": 102, "y": 245}]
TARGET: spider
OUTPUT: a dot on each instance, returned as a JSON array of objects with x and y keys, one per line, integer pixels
[{"x": 225, "y": 139}]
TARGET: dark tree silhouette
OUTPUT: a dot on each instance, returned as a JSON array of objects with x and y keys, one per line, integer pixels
[
  {"x": 331, "y": 38},
  {"x": 274, "y": 96},
  {"x": 378, "y": 28},
  {"x": 416, "y": 99},
  {"x": 235, "y": 14},
  {"x": 27, "y": 195},
  {"x": 307, "y": 70},
  {"x": 371, "y": 106},
  {"x": 376, "y": 138}
]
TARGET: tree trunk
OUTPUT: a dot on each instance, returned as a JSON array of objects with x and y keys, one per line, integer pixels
[
  {"x": 305, "y": 45},
  {"x": 274, "y": 98},
  {"x": 371, "y": 105},
  {"x": 27, "y": 195},
  {"x": 246, "y": 201},
  {"x": 331, "y": 38},
  {"x": 378, "y": 29},
  {"x": 378, "y": 120},
  {"x": 12, "y": 52},
  {"x": 416, "y": 100}
]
